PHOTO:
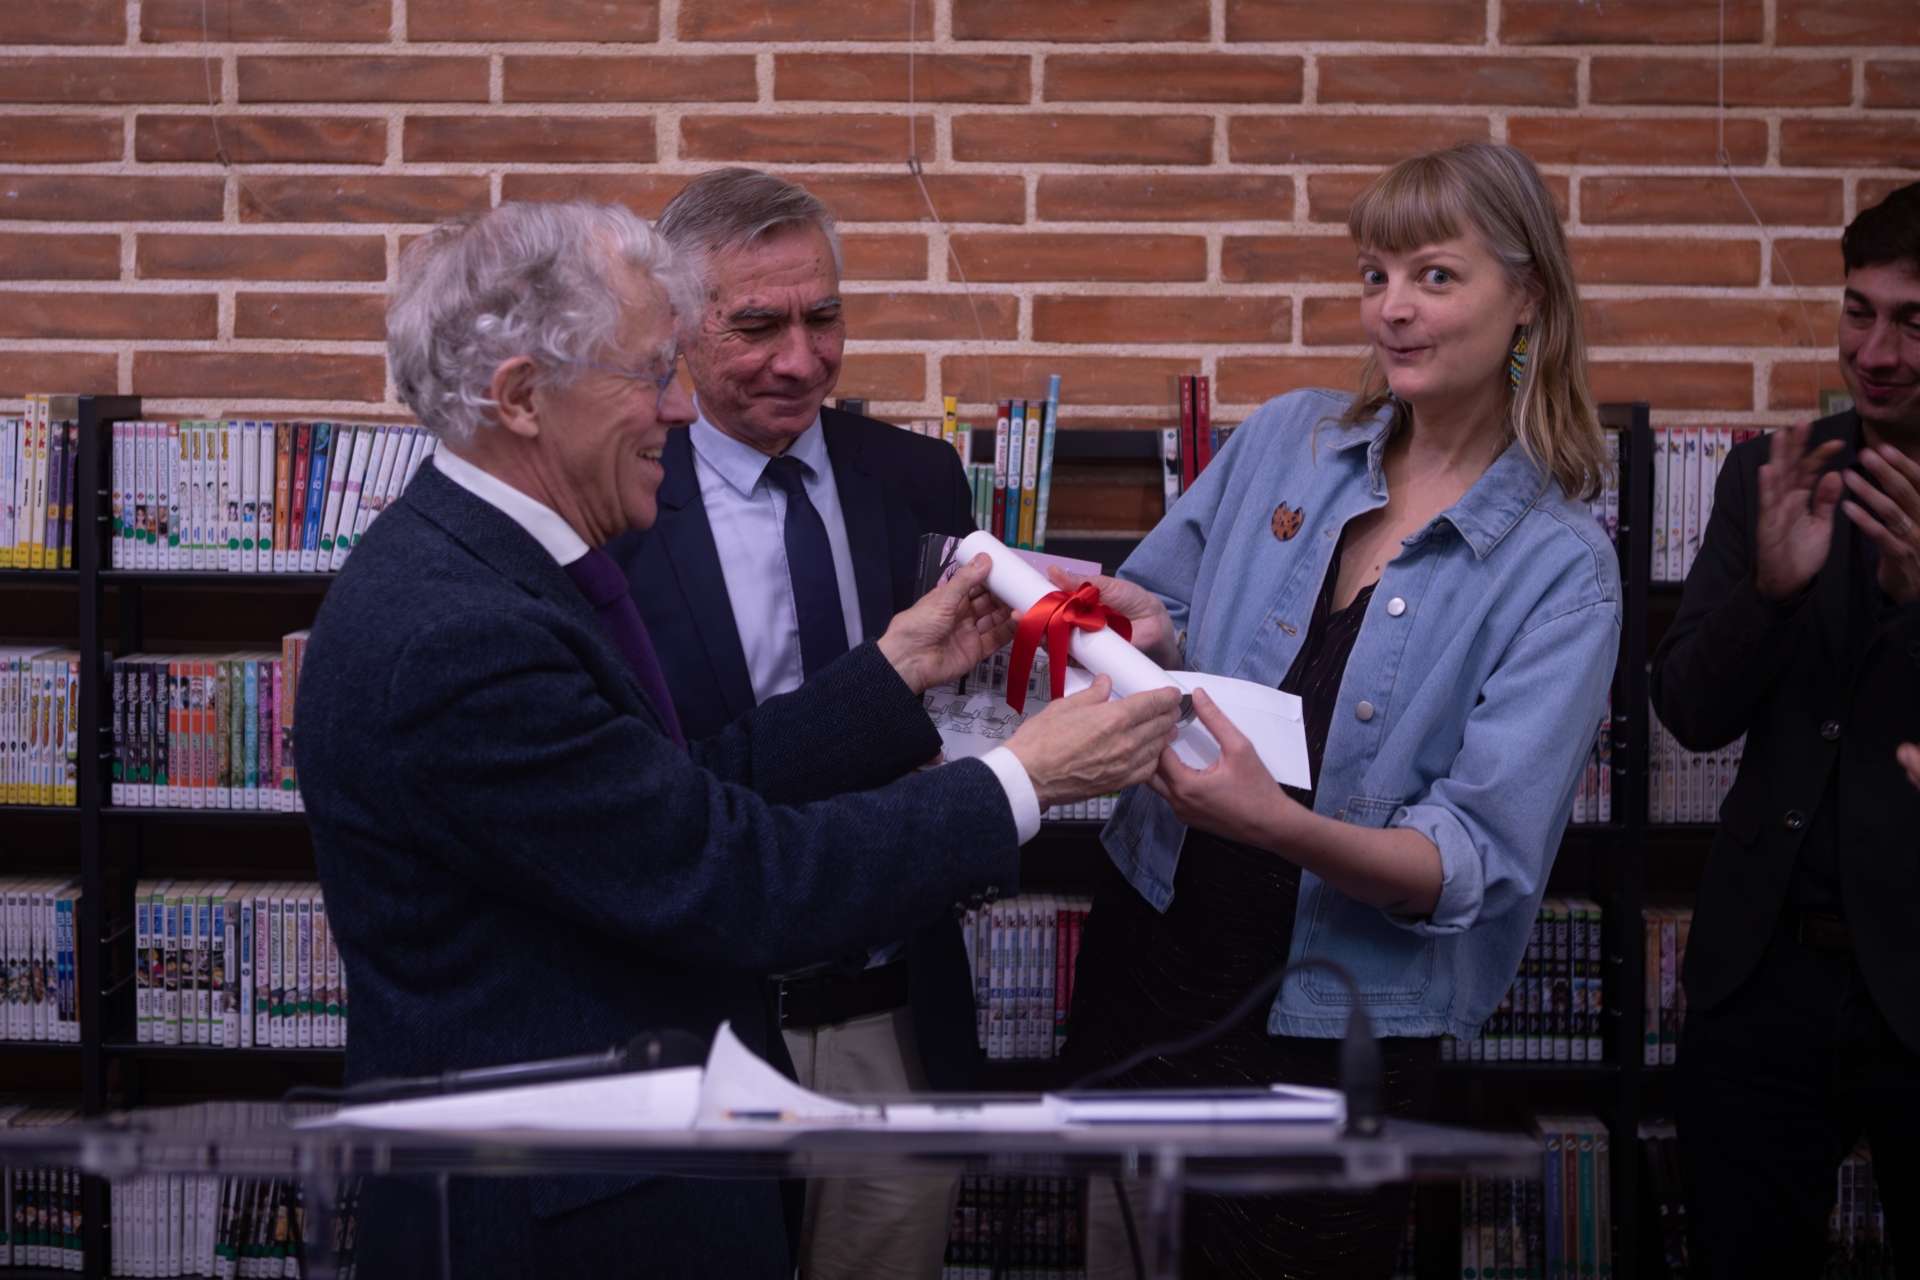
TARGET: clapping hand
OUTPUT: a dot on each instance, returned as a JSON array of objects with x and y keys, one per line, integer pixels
[
  {"x": 1795, "y": 522},
  {"x": 1887, "y": 510}
]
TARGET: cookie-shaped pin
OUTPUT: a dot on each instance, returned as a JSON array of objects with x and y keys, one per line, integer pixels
[{"x": 1286, "y": 521}]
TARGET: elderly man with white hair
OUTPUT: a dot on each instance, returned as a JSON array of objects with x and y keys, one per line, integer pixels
[{"x": 522, "y": 855}]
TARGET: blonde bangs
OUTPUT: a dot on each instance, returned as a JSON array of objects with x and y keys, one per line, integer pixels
[{"x": 1416, "y": 203}]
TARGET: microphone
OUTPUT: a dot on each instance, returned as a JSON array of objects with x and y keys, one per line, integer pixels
[{"x": 648, "y": 1051}]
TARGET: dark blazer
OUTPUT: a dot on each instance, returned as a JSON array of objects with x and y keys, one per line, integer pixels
[
  {"x": 1733, "y": 663},
  {"x": 519, "y": 864},
  {"x": 894, "y": 486}
]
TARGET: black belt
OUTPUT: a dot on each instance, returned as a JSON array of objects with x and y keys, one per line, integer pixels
[
  {"x": 836, "y": 995},
  {"x": 1822, "y": 931}
]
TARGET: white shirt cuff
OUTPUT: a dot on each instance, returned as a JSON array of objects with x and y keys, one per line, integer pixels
[{"x": 1021, "y": 796}]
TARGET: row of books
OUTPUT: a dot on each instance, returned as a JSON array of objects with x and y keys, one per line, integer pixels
[
  {"x": 39, "y": 725},
  {"x": 224, "y": 1226},
  {"x": 39, "y": 978},
  {"x": 1552, "y": 1010},
  {"x": 1186, "y": 449},
  {"x": 1663, "y": 933},
  {"x": 207, "y": 731},
  {"x": 253, "y": 497},
  {"x": 1023, "y": 952},
  {"x": 37, "y": 457},
  {"x": 236, "y": 966},
  {"x": 1593, "y": 796},
  {"x": 41, "y": 1223},
  {"x": 1017, "y": 1229},
  {"x": 1683, "y": 785},
  {"x": 1009, "y": 494},
  {"x": 1686, "y": 463},
  {"x": 1559, "y": 1225}
]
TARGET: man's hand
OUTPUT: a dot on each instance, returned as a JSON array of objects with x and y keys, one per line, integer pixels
[
  {"x": 1152, "y": 628},
  {"x": 1088, "y": 745},
  {"x": 1887, "y": 510},
  {"x": 1235, "y": 796},
  {"x": 948, "y": 631},
  {"x": 1909, "y": 757},
  {"x": 1795, "y": 523}
]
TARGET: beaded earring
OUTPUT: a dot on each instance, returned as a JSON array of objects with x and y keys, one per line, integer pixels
[{"x": 1517, "y": 362}]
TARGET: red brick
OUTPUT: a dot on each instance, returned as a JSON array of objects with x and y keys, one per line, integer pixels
[
  {"x": 804, "y": 20},
  {"x": 59, "y": 139},
  {"x": 883, "y": 375},
  {"x": 346, "y": 317},
  {"x": 1178, "y": 319},
  {"x": 1695, "y": 82},
  {"x": 1081, "y": 256},
  {"x": 929, "y": 316},
  {"x": 1850, "y": 144},
  {"x": 69, "y": 22},
  {"x": 1874, "y": 190},
  {"x": 105, "y": 81},
  {"x": 1412, "y": 21},
  {"x": 354, "y": 197},
  {"x": 1287, "y": 258},
  {"x": 1797, "y": 385},
  {"x": 1331, "y": 195},
  {"x": 1874, "y": 23},
  {"x": 1174, "y": 77},
  {"x": 1716, "y": 322},
  {"x": 1893, "y": 84},
  {"x": 1636, "y": 140},
  {"x": 260, "y": 257},
  {"x": 1808, "y": 262},
  {"x": 595, "y": 21},
  {"x": 1673, "y": 385},
  {"x": 885, "y": 256},
  {"x": 1077, "y": 139},
  {"x": 261, "y": 139},
  {"x": 801, "y": 139},
  {"x": 1710, "y": 199},
  {"x": 367, "y": 77},
  {"x": 645, "y": 193},
  {"x": 1257, "y": 379},
  {"x": 1335, "y": 139},
  {"x": 63, "y": 372},
  {"x": 249, "y": 375},
  {"x": 1092, "y": 379},
  {"x": 43, "y": 257},
  {"x": 1164, "y": 197},
  {"x": 102, "y": 316},
  {"x": 882, "y": 77},
  {"x": 535, "y": 139},
  {"x": 886, "y": 197},
  {"x": 1066, "y": 21},
  {"x": 1456, "y": 80},
  {"x": 255, "y": 21},
  {"x": 1330, "y": 322},
  {"x": 46, "y": 197},
  {"x": 629, "y": 78},
  {"x": 1628, "y": 22},
  {"x": 1677, "y": 260}
]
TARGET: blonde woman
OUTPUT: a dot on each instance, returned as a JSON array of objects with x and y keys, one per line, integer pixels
[{"x": 1413, "y": 562}]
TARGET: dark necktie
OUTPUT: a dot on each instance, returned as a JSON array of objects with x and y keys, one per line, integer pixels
[
  {"x": 816, "y": 588},
  {"x": 601, "y": 581}
]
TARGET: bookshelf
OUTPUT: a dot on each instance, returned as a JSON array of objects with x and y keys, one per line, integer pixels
[{"x": 100, "y": 610}]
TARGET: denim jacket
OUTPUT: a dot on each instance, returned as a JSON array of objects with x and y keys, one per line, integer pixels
[{"x": 1468, "y": 706}]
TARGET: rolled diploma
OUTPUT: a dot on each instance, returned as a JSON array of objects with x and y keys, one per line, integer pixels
[{"x": 1019, "y": 585}]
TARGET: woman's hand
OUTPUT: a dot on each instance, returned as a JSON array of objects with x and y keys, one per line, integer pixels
[
  {"x": 1235, "y": 796},
  {"x": 1152, "y": 628}
]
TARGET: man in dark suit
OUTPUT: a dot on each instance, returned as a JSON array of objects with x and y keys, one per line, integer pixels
[
  {"x": 522, "y": 854},
  {"x": 1802, "y": 630},
  {"x": 751, "y": 581}
]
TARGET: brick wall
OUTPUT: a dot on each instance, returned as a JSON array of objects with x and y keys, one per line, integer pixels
[{"x": 1135, "y": 188}]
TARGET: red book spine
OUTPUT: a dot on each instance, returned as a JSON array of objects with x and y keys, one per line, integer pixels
[
  {"x": 1188, "y": 466},
  {"x": 1202, "y": 423},
  {"x": 297, "y": 499}
]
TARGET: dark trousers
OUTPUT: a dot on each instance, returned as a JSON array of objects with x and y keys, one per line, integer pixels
[{"x": 1776, "y": 1085}]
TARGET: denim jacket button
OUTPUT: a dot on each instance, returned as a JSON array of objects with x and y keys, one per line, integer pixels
[
  {"x": 1396, "y": 607},
  {"x": 1364, "y": 711}
]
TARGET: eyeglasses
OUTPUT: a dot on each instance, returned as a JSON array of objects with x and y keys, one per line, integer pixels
[{"x": 639, "y": 377}]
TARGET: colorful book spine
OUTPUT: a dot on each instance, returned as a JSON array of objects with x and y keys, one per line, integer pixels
[{"x": 1045, "y": 482}]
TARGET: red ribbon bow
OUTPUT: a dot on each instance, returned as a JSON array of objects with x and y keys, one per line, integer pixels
[{"x": 1056, "y": 616}]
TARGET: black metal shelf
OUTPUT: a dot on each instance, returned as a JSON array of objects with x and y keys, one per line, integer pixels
[
  {"x": 202, "y": 580},
  {"x": 207, "y": 1053},
  {"x": 42, "y": 810},
  {"x": 204, "y": 817},
  {"x": 39, "y": 577}
]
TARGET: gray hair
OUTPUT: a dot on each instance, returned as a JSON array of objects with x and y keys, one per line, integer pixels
[
  {"x": 522, "y": 280},
  {"x": 732, "y": 207}
]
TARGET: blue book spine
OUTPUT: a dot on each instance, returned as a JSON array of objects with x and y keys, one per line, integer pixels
[
  {"x": 316, "y": 494},
  {"x": 1046, "y": 463}
]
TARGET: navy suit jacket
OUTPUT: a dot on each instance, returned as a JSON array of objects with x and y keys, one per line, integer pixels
[
  {"x": 519, "y": 863},
  {"x": 894, "y": 487}
]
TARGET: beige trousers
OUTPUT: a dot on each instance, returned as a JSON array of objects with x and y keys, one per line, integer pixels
[{"x": 878, "y": 1228}]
